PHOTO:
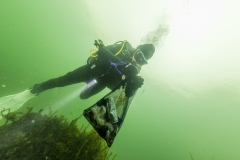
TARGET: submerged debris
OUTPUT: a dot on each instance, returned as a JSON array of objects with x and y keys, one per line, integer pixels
[{"x": 33, "y": 136}]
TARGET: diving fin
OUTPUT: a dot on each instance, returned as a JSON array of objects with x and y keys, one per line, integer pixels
[{"x": 14, "y": 102}]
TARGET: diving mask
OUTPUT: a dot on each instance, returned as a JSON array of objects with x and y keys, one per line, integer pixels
[{"x": 140, "y": 58}]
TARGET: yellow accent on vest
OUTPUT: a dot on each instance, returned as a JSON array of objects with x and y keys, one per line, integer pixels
[{"x": 95, "y": 51}]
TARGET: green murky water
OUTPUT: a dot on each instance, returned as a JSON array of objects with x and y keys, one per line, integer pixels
[{"x": 190, "y": 100}]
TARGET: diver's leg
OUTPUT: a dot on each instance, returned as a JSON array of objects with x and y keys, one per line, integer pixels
[
  {"x": 81, "y": 74},
  {"x": 91, "y": 89}
]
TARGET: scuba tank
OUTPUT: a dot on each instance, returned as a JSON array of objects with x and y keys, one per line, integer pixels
[
  {"x": 92, "y": 62},
  {"x": 117, "y": 48}
]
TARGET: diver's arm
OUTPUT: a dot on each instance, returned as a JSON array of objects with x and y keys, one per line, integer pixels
[{"x": 105, "y": 53}]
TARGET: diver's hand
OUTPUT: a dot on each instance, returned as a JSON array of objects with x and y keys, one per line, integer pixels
[
  {"x": 99, "y": 43},
  {"x": 133, "y": 83},
  {"x": 129, "y": 70}
]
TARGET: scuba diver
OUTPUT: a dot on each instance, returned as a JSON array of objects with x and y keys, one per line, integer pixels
[{"x": 110, "y": 66}]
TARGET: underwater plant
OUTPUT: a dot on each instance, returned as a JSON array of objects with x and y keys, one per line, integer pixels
[
  {"x": 191, "y": 156},
  {"x": 30, "y": 136}
]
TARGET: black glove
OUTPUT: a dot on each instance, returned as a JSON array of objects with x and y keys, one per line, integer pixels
[
  {"x": 99, "y": 43},
  {"x": 133, "y": 83},
  {"x": 129, "y": 70}
]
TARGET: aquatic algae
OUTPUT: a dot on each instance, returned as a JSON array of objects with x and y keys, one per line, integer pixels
[
  {"x": 29, "y": 136},
  {"x": 191, "y": 156}
]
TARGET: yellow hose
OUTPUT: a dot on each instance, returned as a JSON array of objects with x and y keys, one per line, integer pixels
[
  {"x": 121, "y": 48},
  {"x": 91, "y": 54},
  {"x": 95, "y": 51}
]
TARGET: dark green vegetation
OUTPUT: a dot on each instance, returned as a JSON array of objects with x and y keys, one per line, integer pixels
[
  {"x": 191, "y": 156},
  {"x": 31, "y": 136}
]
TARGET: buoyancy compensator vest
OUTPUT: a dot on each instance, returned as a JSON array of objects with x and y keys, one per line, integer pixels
[{"x": 121, "y": 49}]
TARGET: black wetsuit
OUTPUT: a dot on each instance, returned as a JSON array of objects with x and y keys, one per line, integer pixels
[{"x": 106, "y": 68}]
